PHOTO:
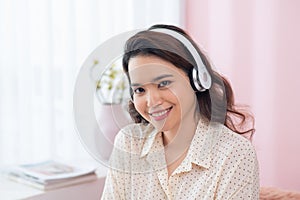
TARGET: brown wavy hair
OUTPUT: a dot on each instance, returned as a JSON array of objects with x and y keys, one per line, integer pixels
[{"x": 216, "y": 104}]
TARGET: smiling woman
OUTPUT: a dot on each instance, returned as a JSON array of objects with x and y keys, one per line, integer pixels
[{"x": 186, "y": 142}]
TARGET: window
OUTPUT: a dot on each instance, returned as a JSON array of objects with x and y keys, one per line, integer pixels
[{"x": 43, "y": 44}]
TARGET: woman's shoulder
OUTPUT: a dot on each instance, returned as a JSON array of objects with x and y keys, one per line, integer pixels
[
  {"x": 230, "y": 141},
  {"x": 128, "y": 146},
  {"x": 135, "y": 130},
  {"x": 133, "y": 134}
]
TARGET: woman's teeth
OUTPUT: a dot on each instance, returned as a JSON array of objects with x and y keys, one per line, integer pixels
[{"x": 158, "y": 114}]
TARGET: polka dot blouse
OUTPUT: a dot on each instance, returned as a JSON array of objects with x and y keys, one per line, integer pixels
[{"x": 219, "y": 164}]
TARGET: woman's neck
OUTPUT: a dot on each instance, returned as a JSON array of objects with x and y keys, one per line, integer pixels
[
  {"x": 179, "y": 140},
  {"x": 184, "y": 132}
]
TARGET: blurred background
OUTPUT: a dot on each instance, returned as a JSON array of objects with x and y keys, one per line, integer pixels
[{"x": 43, "y": 44}]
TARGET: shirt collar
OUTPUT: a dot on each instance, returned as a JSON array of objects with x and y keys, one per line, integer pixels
[
  {"x": 152, "y": 136},
  {"x": 200, "y": 149}
]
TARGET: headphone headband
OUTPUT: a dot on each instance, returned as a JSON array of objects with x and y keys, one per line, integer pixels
[{"x": 201, "y": 77}]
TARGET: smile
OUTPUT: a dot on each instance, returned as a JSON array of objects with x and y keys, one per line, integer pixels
[{"x": 160, "y": 114}]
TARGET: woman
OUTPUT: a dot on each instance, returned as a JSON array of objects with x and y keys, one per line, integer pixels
[{"x": 187, "y": 140}]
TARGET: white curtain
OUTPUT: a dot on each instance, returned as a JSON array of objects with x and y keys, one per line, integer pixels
[{"x": 42, "y": 46}]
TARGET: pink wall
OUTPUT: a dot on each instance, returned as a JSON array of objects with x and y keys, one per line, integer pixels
[{"x": 256, "y": 45}]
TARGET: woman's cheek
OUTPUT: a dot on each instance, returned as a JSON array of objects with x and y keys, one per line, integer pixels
[{"x": 139, "y": 105}]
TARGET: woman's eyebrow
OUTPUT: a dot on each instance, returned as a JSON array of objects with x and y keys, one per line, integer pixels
[
  {"x": 135, "y": 84},
  {"x": 161, "y": 77},
  {"x": 153, "y": 80}
]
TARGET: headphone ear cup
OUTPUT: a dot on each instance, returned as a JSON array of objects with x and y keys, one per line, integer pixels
[
  {"x": 202, "y": 79},
  {"x": 196, "y": 82}
]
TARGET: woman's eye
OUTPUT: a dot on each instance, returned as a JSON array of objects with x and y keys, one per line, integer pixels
[
  {"x": 164, "y": 83},
  {"x": 138, "y": 90}
]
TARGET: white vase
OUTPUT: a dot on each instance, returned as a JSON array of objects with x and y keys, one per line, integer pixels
[{"x": 110, "y": 118}]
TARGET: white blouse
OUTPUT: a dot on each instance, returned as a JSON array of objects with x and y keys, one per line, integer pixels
[{"x": 219, "y": 164}]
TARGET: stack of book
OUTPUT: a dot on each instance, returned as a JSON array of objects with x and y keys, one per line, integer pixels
[{"x": 52, "y": 174}]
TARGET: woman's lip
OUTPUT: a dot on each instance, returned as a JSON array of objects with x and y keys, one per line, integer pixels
[{"x": 161, "y": 114}]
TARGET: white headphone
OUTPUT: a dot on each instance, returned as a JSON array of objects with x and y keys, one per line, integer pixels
[{"x": 201, "y": 77}]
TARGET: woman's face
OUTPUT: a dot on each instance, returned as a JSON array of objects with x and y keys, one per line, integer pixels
[{"x": 162, "y": 93}]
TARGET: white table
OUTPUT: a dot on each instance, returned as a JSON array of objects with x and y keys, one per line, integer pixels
[{"x": 10, "y": 190}]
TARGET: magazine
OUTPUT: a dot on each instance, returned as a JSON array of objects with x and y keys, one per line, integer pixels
[{"x": 52, "y": 174}]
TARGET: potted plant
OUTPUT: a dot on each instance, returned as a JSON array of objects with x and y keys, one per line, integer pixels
[{"x": 111, "y": 86}]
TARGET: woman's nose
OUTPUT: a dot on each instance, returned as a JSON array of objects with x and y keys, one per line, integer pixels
[{"x": 154, "y": 98}]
